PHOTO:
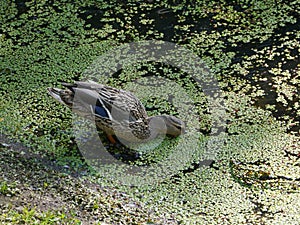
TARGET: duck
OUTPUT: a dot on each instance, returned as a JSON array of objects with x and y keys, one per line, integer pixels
[{"x": 119, "y": 113}]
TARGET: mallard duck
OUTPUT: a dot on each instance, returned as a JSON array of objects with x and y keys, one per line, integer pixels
[{"x": 117, "y": 112}]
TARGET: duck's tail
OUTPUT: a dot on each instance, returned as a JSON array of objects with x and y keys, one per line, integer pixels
[{"x": 63, "y": 96}]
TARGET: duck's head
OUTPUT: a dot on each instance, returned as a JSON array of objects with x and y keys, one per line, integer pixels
[{"x": 166, "y": 124}]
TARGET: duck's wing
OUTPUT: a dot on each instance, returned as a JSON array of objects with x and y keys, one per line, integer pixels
[{"x": 108, "y": 102}]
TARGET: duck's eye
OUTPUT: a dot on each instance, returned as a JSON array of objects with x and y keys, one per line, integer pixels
[{"x": 179, "y": 126}]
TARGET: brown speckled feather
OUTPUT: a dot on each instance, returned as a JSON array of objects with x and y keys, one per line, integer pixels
[{"x": 118, "y": 99}]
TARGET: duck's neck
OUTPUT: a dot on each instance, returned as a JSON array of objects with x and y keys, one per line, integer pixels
[{"x": 157, "y": 125}]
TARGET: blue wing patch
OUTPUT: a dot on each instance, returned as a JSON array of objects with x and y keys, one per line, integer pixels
[{"x": 101, "y": 111}]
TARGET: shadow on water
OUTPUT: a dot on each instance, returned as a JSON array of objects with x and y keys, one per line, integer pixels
[
  {"x": 267, "y": 84},
  {"x": 92, "y": 15},
  {"x": 164, "y": 22},
  {"x": 21, "y": 6}
]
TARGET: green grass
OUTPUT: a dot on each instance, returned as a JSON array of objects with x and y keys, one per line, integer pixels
[{"x": 31, "y": 216}]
